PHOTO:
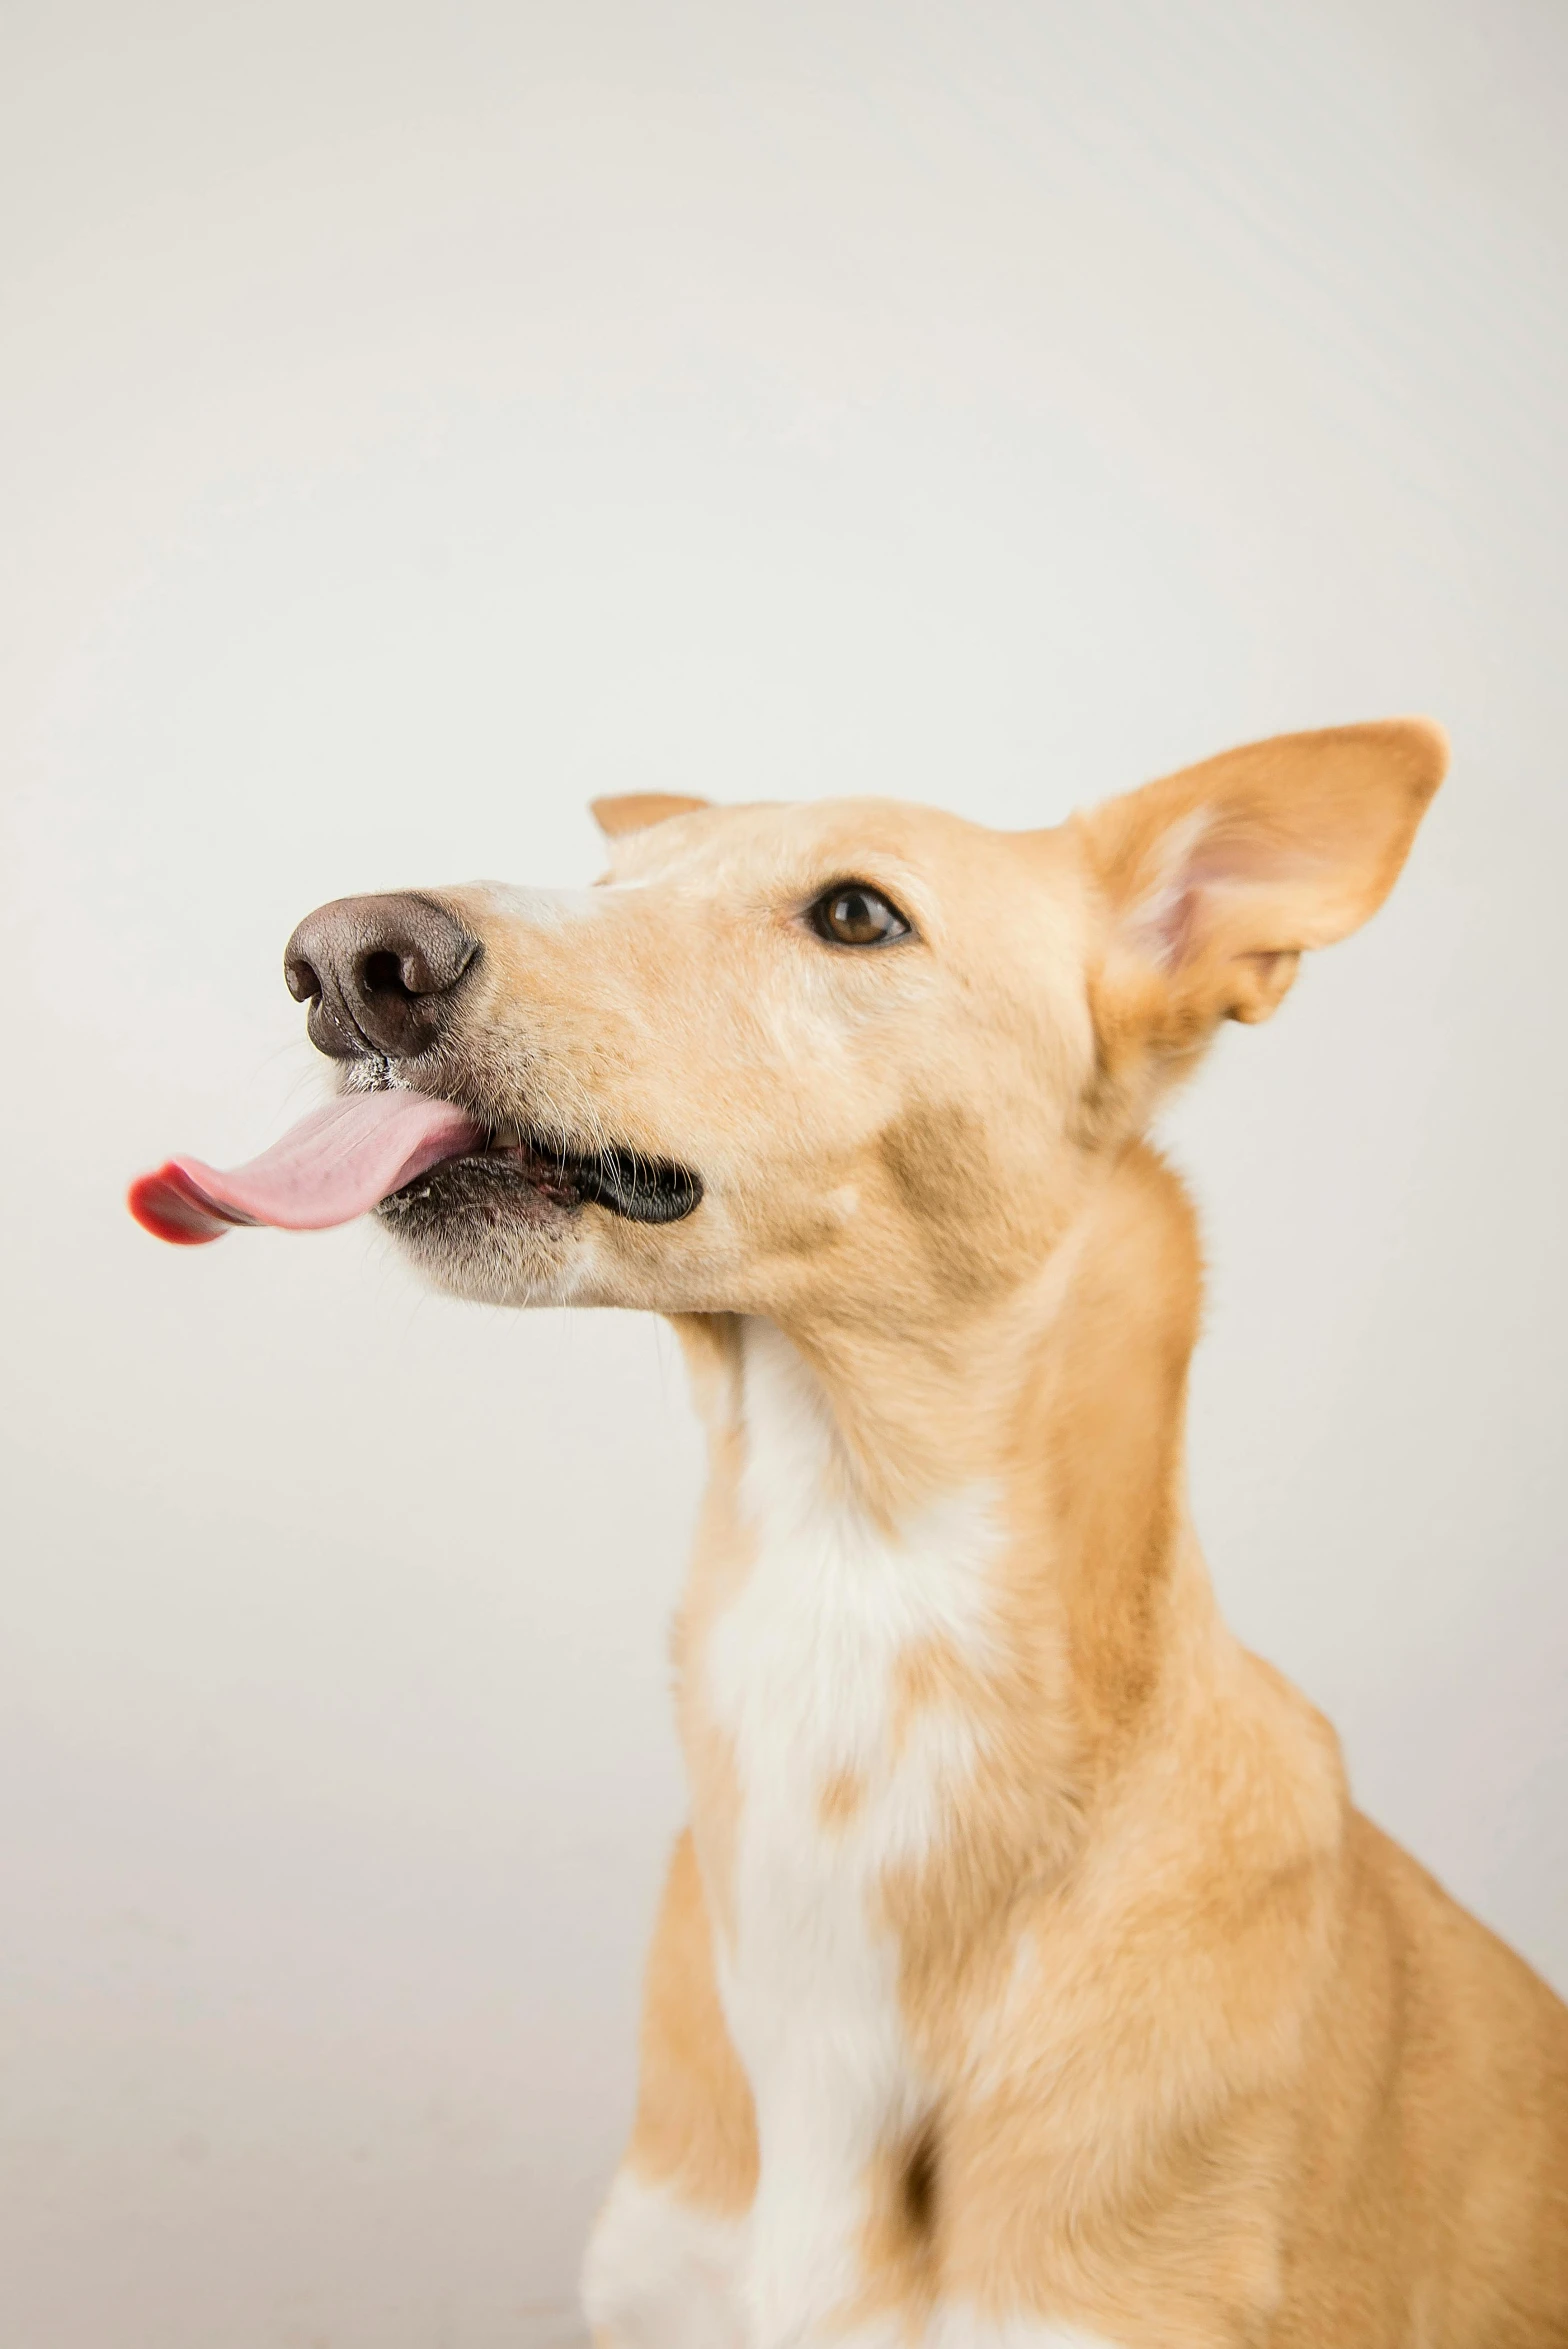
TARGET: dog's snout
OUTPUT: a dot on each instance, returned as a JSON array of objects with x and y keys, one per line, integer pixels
[{"x": 381, "y": 974}]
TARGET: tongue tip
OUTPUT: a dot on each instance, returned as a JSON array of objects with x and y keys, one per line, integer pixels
[{"x": 171, "y": 1205}]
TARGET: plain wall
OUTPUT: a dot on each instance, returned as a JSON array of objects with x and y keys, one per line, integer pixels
[{"x": 416, "y": 421}]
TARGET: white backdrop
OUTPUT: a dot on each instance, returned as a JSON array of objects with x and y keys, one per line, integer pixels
[{"x": 419, "y": 420}]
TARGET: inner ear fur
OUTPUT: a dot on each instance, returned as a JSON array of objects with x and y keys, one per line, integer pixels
[
  {"x": 1216, "y": 879},
  {"x": 634, "y": 811}
]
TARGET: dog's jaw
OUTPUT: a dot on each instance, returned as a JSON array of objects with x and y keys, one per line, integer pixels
[{"x": 476, "y": 1228}]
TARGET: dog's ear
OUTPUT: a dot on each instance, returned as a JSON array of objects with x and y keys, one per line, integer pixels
[
  {"x": 634, "y": 811},
  {"x": 1216, "y": 879}
]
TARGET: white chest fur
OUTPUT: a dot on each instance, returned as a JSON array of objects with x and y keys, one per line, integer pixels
[{"x": 840, "y": 1779}]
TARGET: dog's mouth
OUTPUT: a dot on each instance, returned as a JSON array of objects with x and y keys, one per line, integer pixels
[
  {"x": 400, "y": 1153},
  {"x": 541, "y": 1170}
]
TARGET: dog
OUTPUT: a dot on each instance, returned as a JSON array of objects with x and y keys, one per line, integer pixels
[{"x": 1025, "y": 1978}]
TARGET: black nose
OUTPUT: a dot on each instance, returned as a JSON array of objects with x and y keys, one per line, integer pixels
[{"x": 380, "y": 974}]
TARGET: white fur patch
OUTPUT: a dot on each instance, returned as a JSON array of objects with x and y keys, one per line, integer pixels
[
  {"x": 801, "y": 1670},
  {"x": 659, "y": 2275},
  {"x": 543, "y": 909}
]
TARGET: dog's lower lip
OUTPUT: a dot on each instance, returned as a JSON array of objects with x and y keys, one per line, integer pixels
[{"x": 621, "y": 1180}]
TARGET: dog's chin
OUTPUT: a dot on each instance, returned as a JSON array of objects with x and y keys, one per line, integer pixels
[{"x": 488, "y": 1230}]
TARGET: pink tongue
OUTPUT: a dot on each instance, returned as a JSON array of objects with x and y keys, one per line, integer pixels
[{"x": 330, "y": 1167}]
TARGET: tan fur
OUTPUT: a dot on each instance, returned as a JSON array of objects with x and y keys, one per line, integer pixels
[
  {"x": 634, "y": 811},
  {"x": 693, "y": 2129},
  {"x": 1211, "y": 2062}
]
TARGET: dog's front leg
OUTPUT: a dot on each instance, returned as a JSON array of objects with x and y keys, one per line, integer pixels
[
  {"x": 667, "y": 2261},
  {"x": 832, "y": 2254},
  {"x": 806, "y": 2282}
]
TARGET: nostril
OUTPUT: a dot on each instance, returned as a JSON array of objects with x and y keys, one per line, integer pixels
[
  {"x": 303, "y": 983},
  {"x": 381, "y": 973}
]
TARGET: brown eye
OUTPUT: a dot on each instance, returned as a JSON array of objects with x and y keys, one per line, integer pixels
[{"x": 850, "y": 914}]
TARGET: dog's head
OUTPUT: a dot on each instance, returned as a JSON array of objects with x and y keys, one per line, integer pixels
[{"x": 855, "y": 1059}]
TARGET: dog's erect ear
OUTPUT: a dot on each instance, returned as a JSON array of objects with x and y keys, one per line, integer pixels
[
  {"x": 1218, "y": 878},
  {"x": 634, "y": 811}
]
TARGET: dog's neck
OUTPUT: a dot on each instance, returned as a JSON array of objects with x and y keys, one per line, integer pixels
[{"x": 1063, "y": 1406}]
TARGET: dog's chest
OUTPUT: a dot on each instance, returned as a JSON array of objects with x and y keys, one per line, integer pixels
[{"x": 818, "y": 1674}]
